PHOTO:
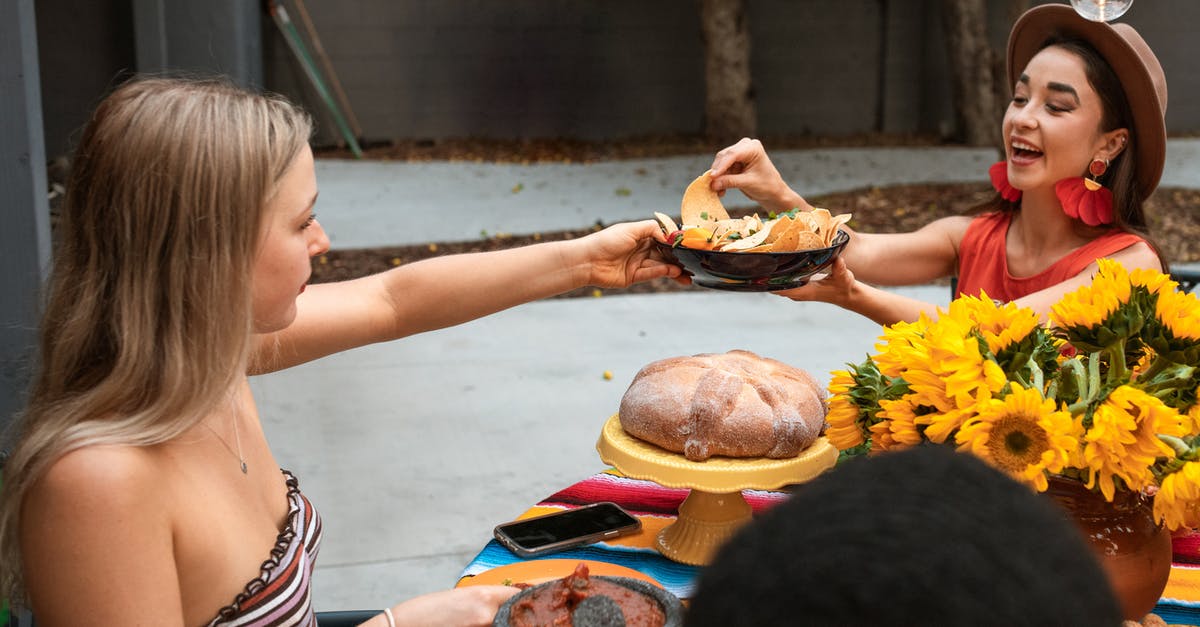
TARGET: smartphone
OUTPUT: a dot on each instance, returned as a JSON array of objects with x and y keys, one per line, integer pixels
[{"x": 569, "y": 528}]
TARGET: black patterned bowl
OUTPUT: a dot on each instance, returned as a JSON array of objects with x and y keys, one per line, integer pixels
[{"x": 754, "y": 272}]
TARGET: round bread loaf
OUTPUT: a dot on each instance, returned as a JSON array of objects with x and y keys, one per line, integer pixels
[{"x": 734, "y": 404}]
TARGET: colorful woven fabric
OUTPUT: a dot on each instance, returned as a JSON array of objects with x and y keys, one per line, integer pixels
[
  {"x": 1180, "y": 602},
  {"x": 653, "y": 504},
  {"x": 656, "y": 507}
]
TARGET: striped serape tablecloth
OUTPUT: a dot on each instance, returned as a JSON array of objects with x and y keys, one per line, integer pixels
[
  {"x": 1180, "y": 602},
  {"x": 656, "y": 506}
]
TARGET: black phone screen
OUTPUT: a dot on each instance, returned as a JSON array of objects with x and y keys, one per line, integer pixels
[{"x": 561, "y": 526}]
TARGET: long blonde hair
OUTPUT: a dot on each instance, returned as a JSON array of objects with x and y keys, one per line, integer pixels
[{"x": 148, "y": 312}]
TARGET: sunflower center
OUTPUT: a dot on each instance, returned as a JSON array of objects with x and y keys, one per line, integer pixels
[{"x": 1017, "y": 442}]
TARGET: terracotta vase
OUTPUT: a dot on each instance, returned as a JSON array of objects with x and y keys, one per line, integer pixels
[{"x": 1133, "y": 548}]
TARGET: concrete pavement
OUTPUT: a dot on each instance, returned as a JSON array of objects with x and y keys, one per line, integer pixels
[{"x": 415, "y": 449}]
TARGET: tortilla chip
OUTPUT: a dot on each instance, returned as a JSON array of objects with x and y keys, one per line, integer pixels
[
  {"x": 809, "y": 240},
  {"x": 820, "y": 220},
  {"x": 788, "y": 237},
  {"x": 725, "y": 228},
  {"x": 666, "y": 222},
  {"x": 838, "y": 221},
  {"x": 776, "y": 228},
  {"x": 701, "y": 205},
  {"x": 747, "y": 242},
  {"x": 807, "y": 219},
  {"x": 791, "y": 232}
]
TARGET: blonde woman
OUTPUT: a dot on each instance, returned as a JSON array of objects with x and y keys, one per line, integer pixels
[{"x": 141, "y": 489}]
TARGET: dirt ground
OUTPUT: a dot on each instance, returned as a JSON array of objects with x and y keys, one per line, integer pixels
[{"x": 1174, "y": 213}]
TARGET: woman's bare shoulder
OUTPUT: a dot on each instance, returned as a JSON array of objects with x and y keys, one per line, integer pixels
[
  {"x": 101, "y": 513},
  {"x": 112, "y": 474},
  {"x": 1138, "y": 255},
  {"x": 952, "y": 224}
]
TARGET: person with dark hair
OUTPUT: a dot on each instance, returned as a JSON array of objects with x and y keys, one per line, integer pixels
[
  {"x": 1085, "y": 141},
  {"x": 923, "y": 536}
]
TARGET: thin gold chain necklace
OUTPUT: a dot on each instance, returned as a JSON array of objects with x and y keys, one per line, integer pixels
[{"x": 237, "y": 437}]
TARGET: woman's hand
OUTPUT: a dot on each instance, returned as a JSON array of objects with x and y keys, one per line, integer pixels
[
  {"x": 837, "y": 288},
  {"x": 460, "y": 607},
  {"x": 842, "y": 289},
  {"x": 746, "y": 167},
  {"x": 624, "y": 253}
]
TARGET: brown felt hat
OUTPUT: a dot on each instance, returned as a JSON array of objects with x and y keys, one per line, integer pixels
[{"x": 1130, "y": 58}]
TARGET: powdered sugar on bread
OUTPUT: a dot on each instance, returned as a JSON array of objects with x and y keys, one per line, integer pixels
[{"x": 734, "y": 404}]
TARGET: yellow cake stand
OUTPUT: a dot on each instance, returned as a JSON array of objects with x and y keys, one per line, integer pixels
[{"x": 715, "y": 508}]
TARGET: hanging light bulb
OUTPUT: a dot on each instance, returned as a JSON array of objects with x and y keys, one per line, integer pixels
[{"x": 1101, "y": 10}]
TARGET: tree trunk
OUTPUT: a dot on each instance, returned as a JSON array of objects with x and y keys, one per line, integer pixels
[
  {"x": 729, "y": 111},
  {"x": 971, "y": 71}
]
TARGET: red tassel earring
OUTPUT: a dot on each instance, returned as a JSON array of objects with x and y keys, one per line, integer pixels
[
  {"x": 1086, "y": 199},
  {"x": 999, "y": 175}
]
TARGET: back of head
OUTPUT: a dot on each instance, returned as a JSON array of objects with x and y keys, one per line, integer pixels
[
  {"x": 147, "y": 317},
  {"x": 924, "y": 536}
]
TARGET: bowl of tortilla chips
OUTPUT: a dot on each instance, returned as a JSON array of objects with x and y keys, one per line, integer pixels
[
  {"x": 755, "y": 271},
  {"x": 749, "y": 254}
]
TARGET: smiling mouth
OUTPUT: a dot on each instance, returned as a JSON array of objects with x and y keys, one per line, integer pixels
[{"x": 1024, "y": 151}]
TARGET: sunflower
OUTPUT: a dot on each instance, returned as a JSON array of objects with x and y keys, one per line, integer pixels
[
  {"x": 902, "y": 343},
  {"x": 1144, "y": 359},
  {"x": 1000, "y": 325},
  {"x": 1023, "y": 434},
  {"x": 1108, "y": 394},
  {"x": 881, "y": 438},
  {"x": 1179, "y": 312},
  {"x": 1123, "y": 442},
  {"x": 901, "y": 417},
  {"x": 1106, "y": 313},
  {"x": 1153, "y": 281},
  {"x": 1090, "y": 306},
  {"x": 955, "y": 357},
  {"x": 941, "y": 426},
  {"x": 1177, "y": 502},
  {"x": 843, "y": 431},
  {"x": 1193, "y": 413}
]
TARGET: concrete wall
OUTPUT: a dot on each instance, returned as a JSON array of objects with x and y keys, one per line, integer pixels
[
  {"x": 1169, "y": 27},
  {"x": 518, "y": 68},
  {"x": 590, "y": 69},
  {"x": 594, "y": 70},
  {"x": 84, "y": 48},
  {"x": 611, "y": 68}
]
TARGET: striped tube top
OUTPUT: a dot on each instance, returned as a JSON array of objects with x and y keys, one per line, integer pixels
[{"x": 281, "y": 595}]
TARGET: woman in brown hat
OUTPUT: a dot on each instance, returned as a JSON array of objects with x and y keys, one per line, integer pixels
[{"x": 1084, "y": 142}]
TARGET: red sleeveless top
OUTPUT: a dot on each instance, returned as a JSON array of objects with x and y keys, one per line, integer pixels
[{"x": 983, "y": 262}]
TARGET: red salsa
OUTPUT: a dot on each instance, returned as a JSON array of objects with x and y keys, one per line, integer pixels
[{"x": 554, "y": 604}]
